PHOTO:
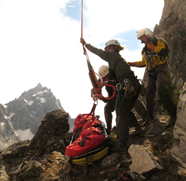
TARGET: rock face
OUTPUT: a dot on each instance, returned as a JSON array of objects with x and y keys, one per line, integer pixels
[
  {"x": 21, "y": 117},
  {"x": 172, "y": 28},
  {"x": 8, "y": 135},
  {"x": 179, "y": 146}
]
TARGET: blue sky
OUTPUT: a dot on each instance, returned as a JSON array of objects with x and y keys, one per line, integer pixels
[
  {"x": 39, "y": 43},
  {"x": 72, "y": 10}
]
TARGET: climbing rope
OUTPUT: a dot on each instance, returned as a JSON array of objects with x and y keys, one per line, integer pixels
[{"x": 97, "y": 86}]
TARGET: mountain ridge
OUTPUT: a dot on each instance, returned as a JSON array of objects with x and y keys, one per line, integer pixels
[{"x": 22, "y": 116}]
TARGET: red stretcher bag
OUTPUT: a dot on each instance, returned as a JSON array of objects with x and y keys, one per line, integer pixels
[{"x": 89, "y": 139}]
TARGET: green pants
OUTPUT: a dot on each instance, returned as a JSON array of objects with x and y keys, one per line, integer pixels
[{"x": 124, "y": 116}]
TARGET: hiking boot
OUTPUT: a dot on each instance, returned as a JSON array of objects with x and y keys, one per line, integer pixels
[
  {"x": 119, "y": 148},
  {"x": 146, "y": 124},
  {"x": 138, "y": 133}
]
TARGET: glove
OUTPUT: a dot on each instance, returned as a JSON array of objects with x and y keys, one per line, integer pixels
[
  {"x": 131, "y": 64},
  {"x": 151, "y": 46},
  {"x": 82, "y": 41}
]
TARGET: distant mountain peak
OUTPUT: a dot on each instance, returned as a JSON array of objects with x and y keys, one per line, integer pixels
[{"x": 23, "y": 116}]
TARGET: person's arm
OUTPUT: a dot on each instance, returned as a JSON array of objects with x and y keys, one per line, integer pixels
[
  {"x": 101, "y": 53},
  {"x": 161, "y": 48},
  {"x": 137, "y": 64},
  {"x": 141, "y": 63},
  {"x": 91, "y": 48}
]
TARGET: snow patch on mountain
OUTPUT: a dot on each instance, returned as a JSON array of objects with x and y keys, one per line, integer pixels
[
  {"x": 30, "y": 103},
  {"x": 40, "y": 93},
  {"x": 41, "y": 99},
  {"x": 9, "y": 117},
  {"x": 5, "y": 106},
  {"x": 25, "y": 134}
]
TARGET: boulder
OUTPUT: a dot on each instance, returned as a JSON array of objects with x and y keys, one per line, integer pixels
[
  {"x": 50, "y": 134},
  {"x": 143, "y": 161}
]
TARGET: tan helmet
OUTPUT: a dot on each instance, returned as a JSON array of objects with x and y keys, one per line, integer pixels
[
  {"x": 144, "y": 31},
  {"x": 103, "y": 70},
  {"x": 114, "y": 42},
  {"x": 111, "y": 42}
]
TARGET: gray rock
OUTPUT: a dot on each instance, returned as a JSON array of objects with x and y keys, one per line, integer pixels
[
  {"x": 156, "y": 127},
  {"x": 111, "y": 160},
  {"x": 182, "y": 173},
  {"x": 50, "y": 134},
  {"x": 179, "y": 146},
  {"x": 143, "y": 161}
]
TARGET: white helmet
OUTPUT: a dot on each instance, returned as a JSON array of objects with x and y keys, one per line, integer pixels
[
  {"x": 144, "y": 31},
  {"x": 103, "y": 70},
  {"x": 111, "y": 42}
]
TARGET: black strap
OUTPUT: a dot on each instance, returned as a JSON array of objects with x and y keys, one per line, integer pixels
[
  {"x": 82, "y": 143},
  {"x": 93, "y": 111},
  {"x": 116, "y": 64}
]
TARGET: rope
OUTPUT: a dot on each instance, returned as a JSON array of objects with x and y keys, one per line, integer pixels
[
  {"x": 85, "y": 52},
  {"x": 122, "y": 175},
  {"x": 88, "y": 61},
  {"x": 82, "y": 19}
]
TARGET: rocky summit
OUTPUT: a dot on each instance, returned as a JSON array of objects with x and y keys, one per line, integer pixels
[
  {"x": 21, "y": 117},
  {"x": 43, "y": 157}
]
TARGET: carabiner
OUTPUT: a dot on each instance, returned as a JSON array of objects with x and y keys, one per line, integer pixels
[
  {"x": 118, "y": 86},
  {"x": 96, "y": 101}
]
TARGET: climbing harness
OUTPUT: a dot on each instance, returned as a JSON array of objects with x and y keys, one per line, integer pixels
[
  {"x": 149, "y": 58},
  {"x": 97, "y": 86}
]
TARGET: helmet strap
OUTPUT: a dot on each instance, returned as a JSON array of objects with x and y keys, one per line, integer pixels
[{"x": 114, "y": 49}]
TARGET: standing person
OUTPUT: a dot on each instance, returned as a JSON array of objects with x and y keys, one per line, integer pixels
[
  {"x": 108, "y": 77},
  {"x": 154, "y": 57},
  {"x": 128, "y": 88}
]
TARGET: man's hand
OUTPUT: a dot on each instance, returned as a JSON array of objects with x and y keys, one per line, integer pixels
[
  {"x": 82, "y": 41},
  {"x": 94, "y": 97},
  {"x": 151, "y": 46}
]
